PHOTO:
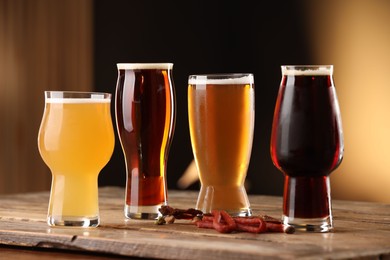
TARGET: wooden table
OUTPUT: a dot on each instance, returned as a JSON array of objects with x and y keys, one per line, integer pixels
[{"x": 362, "y": 230}]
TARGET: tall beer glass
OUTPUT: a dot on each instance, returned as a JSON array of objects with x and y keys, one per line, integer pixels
[
  {"x": 307, "y": 144},
  {"x": 145, "y": 117},
  {"x": 221, "y": 113},
  {"x": 76, "y": 140}
]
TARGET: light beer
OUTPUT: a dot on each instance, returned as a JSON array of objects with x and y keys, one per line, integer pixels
[
  {"x": 221, "y": 119},
  {"x": 76, "y": 140}
]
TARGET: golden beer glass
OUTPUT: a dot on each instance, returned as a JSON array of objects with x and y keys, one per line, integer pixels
[
  {"x": 75, "y": 140},
  {"x": 221, "y": 109}
]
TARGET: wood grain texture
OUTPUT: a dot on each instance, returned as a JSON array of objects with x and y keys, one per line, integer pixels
[
  {"x": 44, "y": 45},
  {"x": 362, "y": 230}
]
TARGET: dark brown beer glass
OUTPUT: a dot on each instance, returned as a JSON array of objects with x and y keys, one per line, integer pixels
[
  {"x": 307, "y": 144},
  {"x": 145, "y": 118}
]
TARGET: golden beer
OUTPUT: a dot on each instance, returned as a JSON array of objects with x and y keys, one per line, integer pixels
[
  {"x": 221, "y": 119},
  {"x": 76, "y": 140}
]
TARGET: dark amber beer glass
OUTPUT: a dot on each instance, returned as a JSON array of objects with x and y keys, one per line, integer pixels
[
  {"x": 145, "y": 117},
  {"x": 307, "y": 144},
  {"x": 221, "y": 117}
]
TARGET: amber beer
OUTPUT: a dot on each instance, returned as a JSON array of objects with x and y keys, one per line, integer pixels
[
  {"x": 145, "y": 116},
  {"x": 221, "y": 118}
]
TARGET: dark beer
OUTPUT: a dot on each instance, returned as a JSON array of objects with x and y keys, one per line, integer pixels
[
  {"x": 307, "y": 142},
  {"x": 145, "y": 114}
]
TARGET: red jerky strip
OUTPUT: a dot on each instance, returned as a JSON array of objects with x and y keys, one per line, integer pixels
[
  {"x": 209, "y": 218},
  {"x": 204, "y": 224},
  {"x": 279, "y": 227},
  {"x": 216, "y": 223},
  {"x": 229, "y": 220},
  {"x": 252, "y": 225},
  {"x": 220, "y": 227},
  {"x": 224, "y": 223},
  {"x": 248, "y": 220}
]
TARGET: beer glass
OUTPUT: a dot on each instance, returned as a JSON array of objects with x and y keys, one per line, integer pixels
[
  {"x": 145, "y": 117},
  {"x": 221, "y": 114},
  {"x": 75, "y": 140},
  {"x": 307, "y": 144}
]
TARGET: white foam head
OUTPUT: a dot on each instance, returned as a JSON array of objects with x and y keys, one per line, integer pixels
[
  {"x": 131, "y": 66},
  {"x": 221, "y": 79},
  {"x": 76, "y": 100},
  {"x": 76, "y": 97},
  {"x": 307, "y": 70}
]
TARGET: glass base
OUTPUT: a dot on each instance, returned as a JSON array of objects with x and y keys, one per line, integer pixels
[
  {"x": 242, "y": 213},
  {"x": 142, "y": 212},
  {"x": 65, "y": 221},
  {"x": 232, "y": 199},
  {"x": 319, "y": 225}
]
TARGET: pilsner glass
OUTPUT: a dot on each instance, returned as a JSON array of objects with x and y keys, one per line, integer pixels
[
  {"x": 145, "y": 117},
  {"x": 221, "y": 118},
  {"x": 307, "y": 144},
  {"x": 76, "y": 140}
]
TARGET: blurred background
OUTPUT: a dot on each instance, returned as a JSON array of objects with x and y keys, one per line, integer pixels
[{"x": 75, "y": 45}]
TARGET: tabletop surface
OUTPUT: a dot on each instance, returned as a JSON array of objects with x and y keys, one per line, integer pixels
[{"x": 362, "y": 230}]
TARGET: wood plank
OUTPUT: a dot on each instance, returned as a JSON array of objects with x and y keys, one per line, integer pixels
[
  {"x": 25, "y": 253},
  {"x": 362, "y": 231}
]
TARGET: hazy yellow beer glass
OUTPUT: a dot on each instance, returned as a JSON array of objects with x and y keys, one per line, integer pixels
[
  {"x": 76, "y": 140},
  {"x": 221, "y": 118}
]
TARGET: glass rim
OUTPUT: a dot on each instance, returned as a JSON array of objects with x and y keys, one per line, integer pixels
[
  {"x": 69, "y": 94},
  {"x": 307, "y": 69},
  {"x": 145, "y": 65},
  {"x": 221, "y": 78}
]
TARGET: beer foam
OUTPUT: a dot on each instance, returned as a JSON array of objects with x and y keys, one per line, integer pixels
[
  {"x": 76, "y": 97},
  {"x": 216, "y": 79},
  {"x": 127, "y": 66},
  {"x": 77, "y": 100},
  {"x": 307, "y": 70}
]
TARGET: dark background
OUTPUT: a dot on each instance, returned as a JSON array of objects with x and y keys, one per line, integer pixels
[{"x": 202, "y": 37}]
